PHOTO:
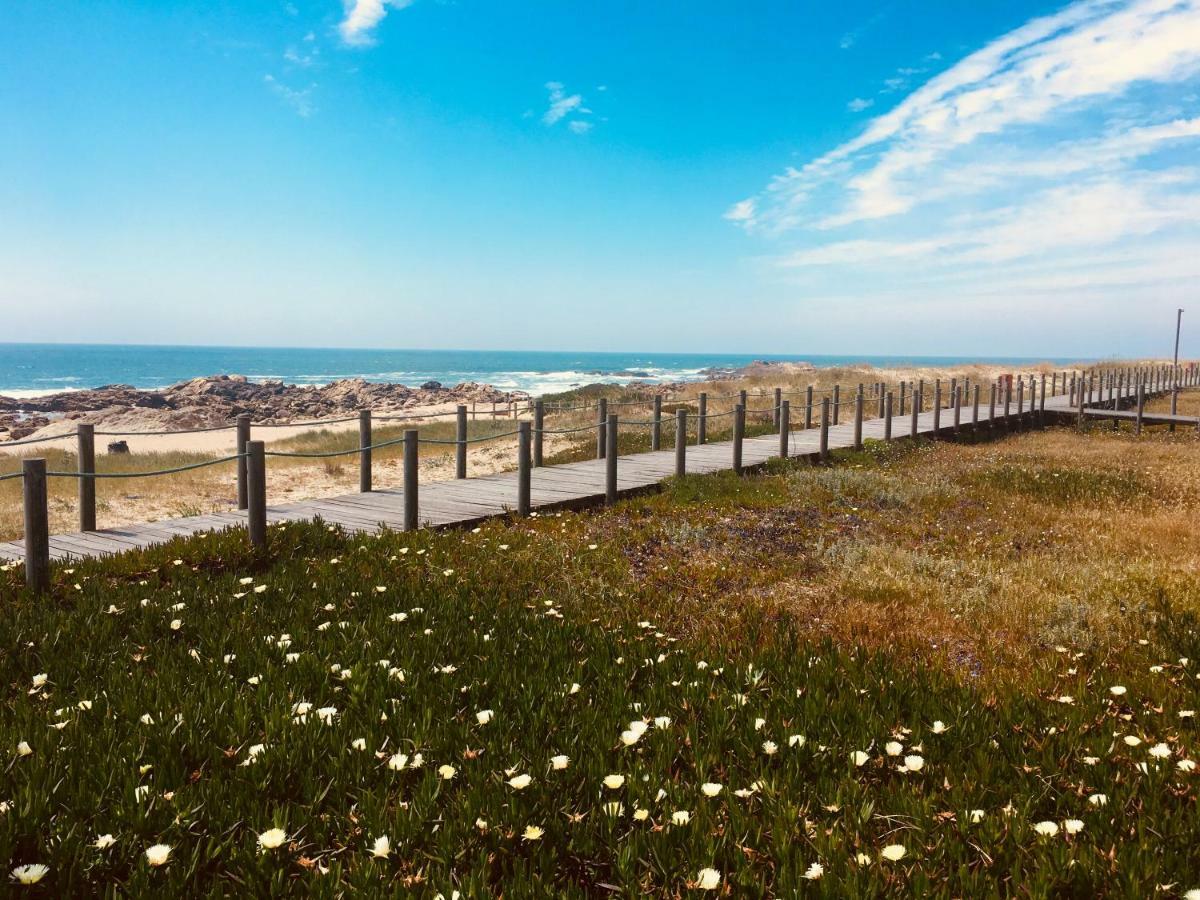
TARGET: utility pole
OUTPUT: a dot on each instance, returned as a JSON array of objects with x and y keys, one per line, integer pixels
[{"x": 1178, "y": 322}]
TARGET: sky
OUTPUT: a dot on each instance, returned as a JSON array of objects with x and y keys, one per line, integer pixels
[{"x": 993, "y": 178}]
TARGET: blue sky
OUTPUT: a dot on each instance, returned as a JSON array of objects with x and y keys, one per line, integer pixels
[{"x": 998, "y": 178}]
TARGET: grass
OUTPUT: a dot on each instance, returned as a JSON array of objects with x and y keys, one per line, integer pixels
[{"x": 852, "y": 606}]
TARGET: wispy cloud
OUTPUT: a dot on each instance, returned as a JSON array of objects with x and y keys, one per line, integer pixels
[
  {"x": 300, "y": 100},
  {"x": 361, "y": 18},
  {"x": 562, "y": 105},
  {"x": 858, "y": 104}
]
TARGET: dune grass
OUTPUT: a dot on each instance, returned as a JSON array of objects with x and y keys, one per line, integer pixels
[{"x": 929, "y": 670}]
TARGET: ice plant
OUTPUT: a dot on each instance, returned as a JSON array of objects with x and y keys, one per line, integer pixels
[
  {"x": 893, "y": 852},
  {"x": 271, "y": 838},
  {"x": 157, "y": 854},
  {"x": 31, "y": 873},
  {"x": 708, "y": 879},
  {"x": 381, "y": 848}
]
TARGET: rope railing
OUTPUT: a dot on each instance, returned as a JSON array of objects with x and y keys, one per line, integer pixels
[
  {"x": 12, "y": 475},
  {"x": 173, "y": 471}
]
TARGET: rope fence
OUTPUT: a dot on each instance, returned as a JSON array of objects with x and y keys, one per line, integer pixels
[{"x": 1030, "y": 393}]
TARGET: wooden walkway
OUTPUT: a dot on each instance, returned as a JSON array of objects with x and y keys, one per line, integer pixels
[{"x": 472, "y": 500}]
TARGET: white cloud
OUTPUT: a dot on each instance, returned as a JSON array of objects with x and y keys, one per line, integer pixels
[
  {"x": 300, "y": 100},
  {"x": 743, "y": 211},
  {"x": 560, "y": 102},
  {"x": 858, "y": 104},
  {"x": 362, "y": 16},
  {"x": 579, "y": 126}
]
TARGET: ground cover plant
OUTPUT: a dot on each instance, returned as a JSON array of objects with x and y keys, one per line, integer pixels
[{"x": 926, "y": 670}]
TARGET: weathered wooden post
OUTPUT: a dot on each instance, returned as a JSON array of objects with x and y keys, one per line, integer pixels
[
  {"x": 656, "y": 427},
  {"x": 410, "y": 479},
  {"x": 858, "y": 418},
  {"x": 882, "y": 400},
  {"x": 601, "y": 423},
  {"x": 539, "y": 425},
  {"x": 975, "y": 409},
  {"x": 1020, "y": 402},
  {"x": 937, "y": 408},
  {"x": 460, "y": 444},
  {"x": 610, "y": 461},
  {"x": 992, "y": 408},
  {"x": 953, "y": 388},
  {"x": 902, "y": 397},
  {"x": 243, "y": 438},
  {"x": 1081, "y": 402},
  {"x": 364, "y": 451},
  {"x": 957, "y": 409},
  {"x": 785, "y": 425},
  {"x": 680, "y": 442},
  {"x": 837, "y": 403},
  {"x": 887, "y": 416},
  {"x": 916, "y": 412},
  {"x": 739, "y": 432},
  {"x": 37, "y": 526},
  {"x": 742, "y": 398},
  {"x": 1071, "y": 391},
  {"x": 85, "y": 439},
  {"x": 1007, "y": 402},
  {"x": 702, "y": 418},
  {"x": 1053, "y": 384},
  {"x": 919, "y": 396},
  {"x": 808, "y": 407},
  {"x": 778, "y": 405},
  {"x": 1042, "y": 404},
  {"x": 524, "y": 466},
  {"x": 1141, "y": 406},
  {"x": 824, "y": 429},
  {"x": 256, "y": 493}
]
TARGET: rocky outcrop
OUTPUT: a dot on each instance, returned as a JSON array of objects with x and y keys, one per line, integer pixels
[{"x": 219, "y": 399}]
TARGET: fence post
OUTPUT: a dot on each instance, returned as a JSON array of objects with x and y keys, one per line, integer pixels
[
  {"x": 785, "y": 418},
  {"x": 523, "y": 466},
  {"x": 858, "y": 418},
  {"x": 1007, "y": 403},
  {"x": 37, "y": 526},
  {"x": 410, "y": 479},
  {"x": 992, "y": 408},
  {"x": 256, "y": 493},
  {"x": 903, "y": 385},
  {"x": 460, "y": 443},
  {"x": 1141, "y": 406},
  {"x": 887, "y": 416},
  {"x": 975, "y": 409},
  {"x": 601, "y": 423},
  {"x": 1020, "y": 401},
  {"x": 539, "y": 424},
  {"x": 702, "y": 420},
  {"x": 85, "y": 438},
  {"x": 739, "y": 432},
  {"x": 680, "y": 442},
  {"x": 610, "y": 461},
  {"x": 1081, "y": 399},
  {"x": 243, "y": 438},
  {"x": 837, "y": 403},
  {"x": 958, "y": 391},
  {"x": 364, "y": 452},
  {"x": 824, "y": 445},
  {"x": 1174, "y": 395},
  {"x": 742, "y": 398},
  {"x": 937, "y": 408},
  {"x": 1042, "y": 403},
  {"x": 914, "y": 412},
  {"x": 919, "y": 396},
  {"x": 1053, "y": 384},
  {"x": 808, "y": 407},
  {"x": 879, "y": 387},
  {"x": 656, "y": 428},
  {"x": 778, "y": 404}
]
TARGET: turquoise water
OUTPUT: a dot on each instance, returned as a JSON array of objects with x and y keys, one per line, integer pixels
[{"x": 34, "y": 369}]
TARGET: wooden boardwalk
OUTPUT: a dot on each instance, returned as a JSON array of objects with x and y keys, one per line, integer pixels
[{"x": 472, "y": 500}]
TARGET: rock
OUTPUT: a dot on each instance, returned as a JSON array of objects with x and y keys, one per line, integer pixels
[
  {"x": 118, "y": 447},
  {"x": 431, "y": 386}
]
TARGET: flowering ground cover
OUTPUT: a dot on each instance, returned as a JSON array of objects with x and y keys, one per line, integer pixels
[{"x": 812, "y": 681}]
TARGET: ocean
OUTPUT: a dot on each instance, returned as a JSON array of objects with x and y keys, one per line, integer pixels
[{"x": 31, "y": 370}]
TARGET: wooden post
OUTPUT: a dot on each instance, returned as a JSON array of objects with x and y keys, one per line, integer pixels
[
  {"x": 1042, "y": 404},
  {"x": 937, "y": 408},
  {"x": 882, "y": 400},
  {"x": 1053, "y": 384},
  {"x": 915, "y": 413},
  {"x": 243, "y": 438},
  {"x": 410, "y": 479},
  {"x": 887, "y": 416},
  {"x": 919, "y": 396},
  {"x": 256, "y": 493},
  {"x": 364, "y": 451},
  {"x": 539, "y": 425},
  {"x": 1141, "y": 406},
  {"x": 902, "y": 387},
  {"x": 702, "y": 419},
  {"x": 837, "y": 403},
  {"x": 85, "y": 438},
  {"x": 601, "y": 424},
  {"x": 680, "y": 442},
  {"x": 778, "y": 405},
  {"x": 460, "y": 444},
  {"x": 742, "y": 398},
  {"x": 524, "y": 465},
  {"x": 1020, "y": 401},
  {"x": 958, "y": 391},
  {"x": 1174, "y": 395},
  {"x": 739, "y": 432},
  {"x": 975, "y": 408},
  {"x": 785, "y": 417},
  {"x": 858, "y": 418},
  {"x": 992, "y": 408},
  {"x": 610, "y": 461},
  {"x": 1007, "y": 402},
  {"x": 1081, "y": 400},
  {"x": 824, "y": 429},
  {"x": 656, "y": 428},
  {"x": 37, "y": 526},
  {"x": 808, "y": 407}
]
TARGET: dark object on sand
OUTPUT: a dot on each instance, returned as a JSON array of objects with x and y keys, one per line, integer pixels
[{"x": 118, "y": 447}]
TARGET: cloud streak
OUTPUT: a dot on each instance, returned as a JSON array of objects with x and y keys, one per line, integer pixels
[{"x": 362, "y": 16}]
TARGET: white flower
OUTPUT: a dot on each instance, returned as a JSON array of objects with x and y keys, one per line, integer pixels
[
  {"x": 629, "y": 738},
  {"x": 708, "y": 880},
  {"x": 612, "y": 782},
  {"x": 914, "y": 763},
  {"x": 796, "y": 740},
  {"x": 104, "y": 842},
  {"x": 859, "y": 758},
  {"x": 176, "y": 624},
  {"x": 893, "y": 852},
  {"x": 1098, "y": 799},
  {"x": 23, "y": 749},
  {"x": 1193, "y": 894},
  {"x": 1117, "y": 690},
  {"x": 939, "y": 727},
  {"x": 681, "y": 817},
  {"x": 1046, "y": 828},
  {"x": 1091, "y": 760},
  {"x": 560, "y": 762},
  {"x": 1073, "y": 826},
  {"x": 398, "y": 762},
  {"x": 815, "y": 871},
  {"x": 520, "y": 782},
  {"x": 759, "y": 723},
  {"x": 532, "y": 833},
  {"x": 484, "y": 716},
  {"x": 147, "y": 719},
  {"x": 29, "y": 874},
  {"x": 770, "y": 748},
  {"x": 359, "y": 744},
  {"x": 447, "y": 772},
  {"x": 39, "y": 681},
  {"x": 977, "y": 815},
  {"x": 614, "y": 809},
  {"x": 1132, "y": 740},
  {"x": 326, "y": 714},
  {"x": 893, "y": 748},
  {"x": 271, "y": 838},
  {"x": 641, "y": 815},
  {"x": 1160, "y": 751},
  {"x": 1186, "y": 765},
  {"x": 382, "y": 848},
  {"x": 662, "y": 721},
  {"x": 157, "y": 855},
  {"x": 710, "y": 789}
]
